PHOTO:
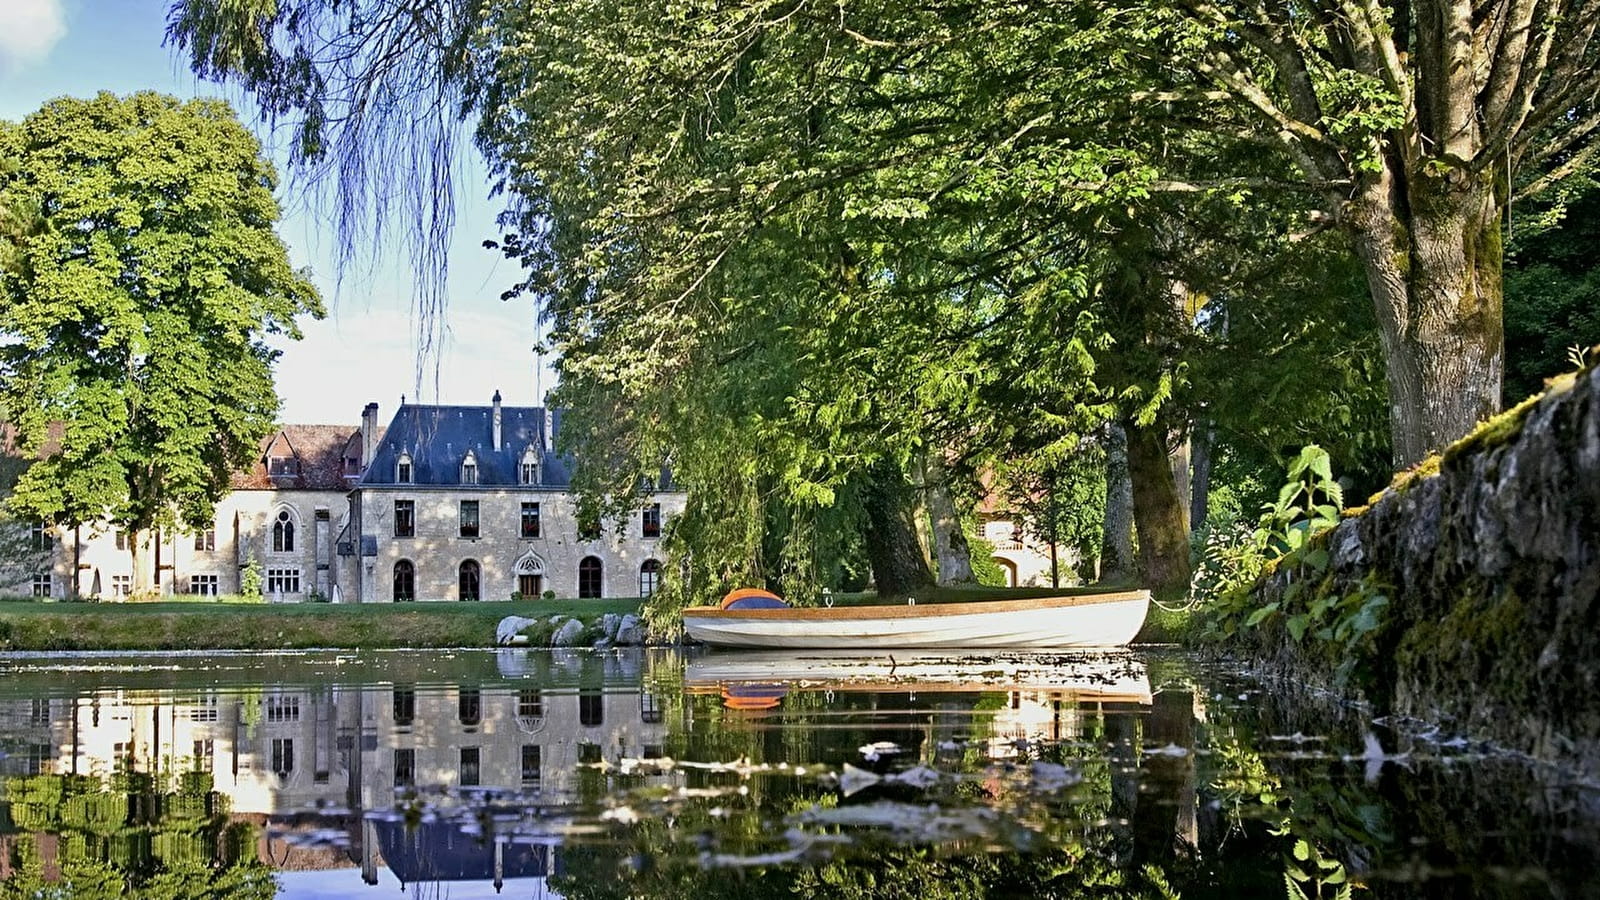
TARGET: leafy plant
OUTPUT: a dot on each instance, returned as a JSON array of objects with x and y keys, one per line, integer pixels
[{"x": 1234, "y": 562}]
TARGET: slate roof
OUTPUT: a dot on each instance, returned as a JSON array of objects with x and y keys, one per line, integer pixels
[
  {"x": 437, "y": 438},
  {"x": 321, "y": 450}
]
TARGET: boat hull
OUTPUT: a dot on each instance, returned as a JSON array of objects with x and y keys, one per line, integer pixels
[{"x": 1044, "y": 623}]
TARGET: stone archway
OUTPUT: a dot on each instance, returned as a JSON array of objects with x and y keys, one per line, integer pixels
[{"x": 1009, "y": 567}]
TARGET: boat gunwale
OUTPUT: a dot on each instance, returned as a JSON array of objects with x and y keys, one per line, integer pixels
[{"x": 921, "y": 610}]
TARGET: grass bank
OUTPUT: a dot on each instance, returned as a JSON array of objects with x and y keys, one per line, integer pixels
[{"x": 27, "y": 625}]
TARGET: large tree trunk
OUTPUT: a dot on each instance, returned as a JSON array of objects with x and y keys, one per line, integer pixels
[
  {"x": 1433, "y": 264},
  {"x": 1116, "y": 542},
  {"x": 1158, "y": 513},
  {"x": 950, "y": 548},
  {"x": 898, "y": 565}
]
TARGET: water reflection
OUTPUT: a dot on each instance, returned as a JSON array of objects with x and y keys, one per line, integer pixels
[{"x": 648, "y": 774}]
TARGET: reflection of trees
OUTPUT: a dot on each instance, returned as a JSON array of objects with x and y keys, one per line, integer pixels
[{"x": 133, "y": 835}]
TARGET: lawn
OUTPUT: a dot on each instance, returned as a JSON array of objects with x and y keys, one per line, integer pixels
[{"x": 189, "y": 625}]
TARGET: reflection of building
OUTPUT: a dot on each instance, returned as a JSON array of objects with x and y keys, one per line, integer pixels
[
  {"x": 276, "y": 753},
  {"x": 446, "y": 503}
]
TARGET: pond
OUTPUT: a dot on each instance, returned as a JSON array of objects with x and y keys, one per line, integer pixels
[{"x": 588, "y": 774}]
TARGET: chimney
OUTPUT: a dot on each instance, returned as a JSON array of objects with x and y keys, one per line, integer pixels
[
  {"x": 369, "y": 434},
  {"x": 497, "y": 421},
  {"x": 549, "y": 427}
]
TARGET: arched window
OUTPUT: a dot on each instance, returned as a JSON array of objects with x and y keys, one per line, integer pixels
[
  {"x": 283, "y": 533},
  {"x": 402, "y": 469},
  {"x": 528, "y": 469},
  {"x": 649, "y": 577},
  {"x": 589, "y": 577},
  {"x": 469, "y": 469},
  {"x": 405, "y": 581},
  {"x": 469, "y": 580}
]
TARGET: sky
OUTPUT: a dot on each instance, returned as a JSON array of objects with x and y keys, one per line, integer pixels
[{"x": 366, "y": 349}]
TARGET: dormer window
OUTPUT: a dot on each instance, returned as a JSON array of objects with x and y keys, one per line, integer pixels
[
  {"x": 402, "y": 469},
  {"x": 528, "y": 470},
  {"x": 283, "y": 466},
  {"x": 469, "y": 470}
]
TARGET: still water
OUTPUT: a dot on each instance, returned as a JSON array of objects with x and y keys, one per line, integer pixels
[{"x": 658, "y": 774}]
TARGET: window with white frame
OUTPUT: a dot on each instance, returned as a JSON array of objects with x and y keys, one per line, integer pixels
[
  {"x": 204, "y": 584},
  {"x": 283, "y": 708},
  {"x": 402, "y": 469},
  {"x": 204, "y": 751},
  {"x": 38, "y": 537},
  {"x": 121, "y": 585},
  {"x": 469, "y": 469},
  {"x": 283, "y": 580},
  {"x": 649, "y": 577},
  {"x": 528, "y": 469},
  {"x": 122, "y": 539},
  {"x": 43, "y": 585},
  {"x": 206, "y": 540}
]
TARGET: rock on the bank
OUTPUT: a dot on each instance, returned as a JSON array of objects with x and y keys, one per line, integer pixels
[
  {"x": 630, "y": 631},
  {"x": 567, "y": 634},
  {"x": 510, "y": 628},
  {"x": 1491, "y": 569}
]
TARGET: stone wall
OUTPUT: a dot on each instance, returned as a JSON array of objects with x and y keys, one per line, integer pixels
[{"x": 1491, "y": 568}]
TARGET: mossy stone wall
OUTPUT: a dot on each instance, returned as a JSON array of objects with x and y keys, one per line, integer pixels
[{"x": 1492, "y": 572}]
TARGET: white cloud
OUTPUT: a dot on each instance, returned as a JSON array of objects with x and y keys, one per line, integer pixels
[{"x": 29, "y": 29}]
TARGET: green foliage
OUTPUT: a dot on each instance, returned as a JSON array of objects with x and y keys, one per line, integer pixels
[
  {"x": 984, "y": 568},
  {"x": 165, "y": 836},
  {"x": 1552, "y": 294},
  {"x": 1233, "y": 563},
  {"x": 139, "y": 286}
]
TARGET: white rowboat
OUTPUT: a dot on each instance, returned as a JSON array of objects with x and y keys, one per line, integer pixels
[{"x": 1108, "y": 619}]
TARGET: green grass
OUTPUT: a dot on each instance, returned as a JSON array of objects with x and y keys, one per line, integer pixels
[{"x": 26, "y": 624}]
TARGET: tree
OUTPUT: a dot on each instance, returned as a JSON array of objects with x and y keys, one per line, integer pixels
[
  {"x": 135, "y": 312},
  {"x": 1416, "y": 125},
  {"x": 1411, "y": 127}
]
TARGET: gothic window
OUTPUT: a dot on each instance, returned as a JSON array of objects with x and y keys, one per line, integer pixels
[
  {"x": 405, "y": 581},
  {"x": 589, "y": 577},
  {"x": 283, "y": 533},
  {"x": 468, "y": 580},
  {"x": 649, "y": 577}
]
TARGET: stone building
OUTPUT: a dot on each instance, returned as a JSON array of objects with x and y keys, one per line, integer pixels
[
  {"x": 473, "y": 503},
  {"x": 458, "y": 503}
]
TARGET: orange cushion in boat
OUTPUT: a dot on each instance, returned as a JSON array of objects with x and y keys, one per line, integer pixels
[{"x": 735, "y": 596}]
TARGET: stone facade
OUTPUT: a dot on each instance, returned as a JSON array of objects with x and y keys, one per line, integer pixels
[{"x": 311, "y": 519}]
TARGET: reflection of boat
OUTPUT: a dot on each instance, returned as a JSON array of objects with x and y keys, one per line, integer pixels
[
  {"x": 1104, "y": 678},
  {"x": 1101, "y": 619}
]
